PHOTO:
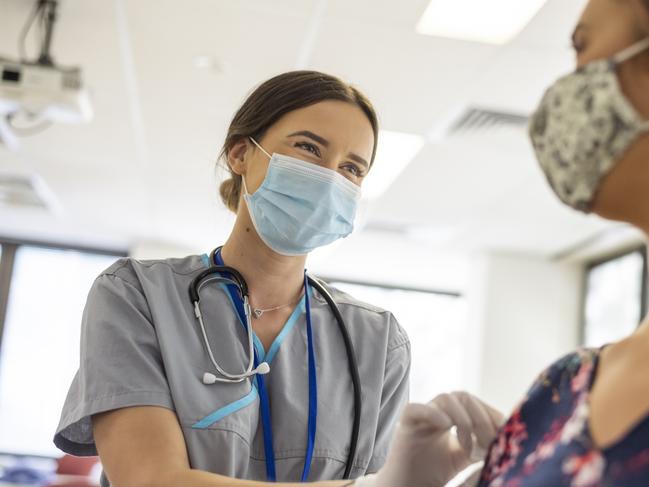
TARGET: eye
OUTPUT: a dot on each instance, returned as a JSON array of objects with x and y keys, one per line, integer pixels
[
  {"x": 312, "y": 148},
  {"x": 354, "y": 170}
]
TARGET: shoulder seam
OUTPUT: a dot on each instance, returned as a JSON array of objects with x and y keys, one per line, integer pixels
[
  {"x": 138, "y": 291},
  {"x": 347, "y": 302},
  {"x": 149, "y": 265},
  {"x": 121, "y": 266},
  {"x": 360, "y": 305},
  {"x": 401, "y": 343},
  {"x": 113, "y": 273},
  {"x": 126, "y": 281}
]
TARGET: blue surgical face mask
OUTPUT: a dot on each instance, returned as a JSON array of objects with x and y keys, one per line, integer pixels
[{"x": 301, "y": 206}]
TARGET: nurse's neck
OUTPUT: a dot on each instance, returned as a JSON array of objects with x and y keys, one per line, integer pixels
[{"x": 273, "y": 279}]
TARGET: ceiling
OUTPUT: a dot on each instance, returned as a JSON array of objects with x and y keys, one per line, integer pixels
[{"x": 144, "y": 169}]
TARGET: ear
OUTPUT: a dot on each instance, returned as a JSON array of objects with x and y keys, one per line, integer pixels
[{"x": 237, "y": 157}]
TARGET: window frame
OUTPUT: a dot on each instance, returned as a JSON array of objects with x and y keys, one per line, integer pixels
[
  {"x": 454, "y": 344},
  {"x": 10, "y": 247},
  {"x": 450, "y": 294},
  {"x": 644, "y": 284}
]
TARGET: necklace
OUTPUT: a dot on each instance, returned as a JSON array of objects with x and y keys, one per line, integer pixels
[{"x": 258, "y": 312}]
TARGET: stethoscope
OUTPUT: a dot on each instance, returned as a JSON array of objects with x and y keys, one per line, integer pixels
[{"x": 238, "y": 290}]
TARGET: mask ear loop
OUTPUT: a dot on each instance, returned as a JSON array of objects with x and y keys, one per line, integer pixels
[
  {"x": 245, "y": 187},
  {"x": 263, "y": 150},
  {"x": 243, "y": 178},
  {"x": 627, "y": 54},
  {"x": 631, "y": 51}
]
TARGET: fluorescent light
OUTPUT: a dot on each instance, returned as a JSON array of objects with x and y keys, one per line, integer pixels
[
  {"x": 493, "y": 22},
  {"x": 394, "y": 153}
]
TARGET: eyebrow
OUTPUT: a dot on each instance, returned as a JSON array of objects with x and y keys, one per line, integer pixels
[{"x": 324, "y": 142}]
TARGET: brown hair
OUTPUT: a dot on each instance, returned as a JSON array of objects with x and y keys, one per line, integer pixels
[{"x": 277, "y": 97}]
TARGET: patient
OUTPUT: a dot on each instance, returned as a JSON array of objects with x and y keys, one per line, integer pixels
[{"x": 585, "y": 421}]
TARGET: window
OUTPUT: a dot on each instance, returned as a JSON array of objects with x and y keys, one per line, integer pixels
[
  {"x": 615, "y": 301},
  {"x": 436, "y": 324},
  {"x": 39, "y": 348}
]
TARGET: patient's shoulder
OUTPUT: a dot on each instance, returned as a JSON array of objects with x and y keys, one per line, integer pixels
[
  {"x": 572, "y": 366},
  {"x": 620, "y": 395},
  {"x": 568, "y": 376}
]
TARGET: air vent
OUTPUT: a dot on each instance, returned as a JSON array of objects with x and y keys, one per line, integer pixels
[
  {"x": 22, "y": 192},
  {"x": 476, "y": 120}
]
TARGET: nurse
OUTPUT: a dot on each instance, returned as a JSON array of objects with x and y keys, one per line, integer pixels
[{"x": 152, "y": 395}]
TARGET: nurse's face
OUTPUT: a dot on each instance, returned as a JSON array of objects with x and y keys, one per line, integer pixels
[
  {"x": 332, "y": 134},
  {"x": 606, "y": 28}
]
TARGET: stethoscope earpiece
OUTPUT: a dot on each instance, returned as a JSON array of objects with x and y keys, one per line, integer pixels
[
  {"x": 262, "y": 369},
  {"x": 215, "y": 273},
  {"x": 209, "y": 379}
]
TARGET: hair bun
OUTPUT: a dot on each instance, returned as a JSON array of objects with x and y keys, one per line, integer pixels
[{"x": 230, "y": 191}]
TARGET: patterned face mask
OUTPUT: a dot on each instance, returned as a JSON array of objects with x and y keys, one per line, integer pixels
[{"x": 583, "y": 126}]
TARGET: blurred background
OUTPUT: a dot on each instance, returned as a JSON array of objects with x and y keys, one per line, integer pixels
[{"x": 459, "y": 234}]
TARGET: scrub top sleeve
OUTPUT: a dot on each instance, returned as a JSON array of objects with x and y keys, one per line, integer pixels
[
  {"x": 120, "y": 364},
  {"x": 394, "y": 396}
]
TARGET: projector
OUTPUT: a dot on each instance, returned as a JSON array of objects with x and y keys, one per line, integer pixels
[
  {"x": 43, "y": 93},
  {"x": 39, "y": 93}
]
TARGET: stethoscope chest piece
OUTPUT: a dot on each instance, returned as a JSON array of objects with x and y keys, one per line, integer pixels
[{"x": 218, "y": 272}]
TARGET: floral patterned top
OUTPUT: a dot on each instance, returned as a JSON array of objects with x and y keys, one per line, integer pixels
[{"x": 547, "y": 441}]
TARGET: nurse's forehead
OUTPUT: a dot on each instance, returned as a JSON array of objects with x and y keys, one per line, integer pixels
[{"x": 337, "y": 121}]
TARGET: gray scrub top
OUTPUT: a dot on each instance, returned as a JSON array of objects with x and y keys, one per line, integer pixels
[{"x": 141, "y": 346}]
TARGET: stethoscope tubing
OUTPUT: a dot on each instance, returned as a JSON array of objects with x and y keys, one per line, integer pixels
[
  {"x": 353, "y": 370},
  {"x": 196, "y": 286},
  {"x": 352, "y": 362}
]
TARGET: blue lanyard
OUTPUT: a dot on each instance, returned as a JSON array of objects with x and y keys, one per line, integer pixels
[{"x": 264, "y": 403}]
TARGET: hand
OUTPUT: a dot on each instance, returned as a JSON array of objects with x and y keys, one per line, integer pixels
[
  {"x": 473, "y": 479},
  {"x": 425, "y": 452}
]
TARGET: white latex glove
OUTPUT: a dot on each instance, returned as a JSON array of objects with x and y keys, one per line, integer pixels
[
  {"x": 425, "y": 452},
  {"x": 473, "y": 479}
]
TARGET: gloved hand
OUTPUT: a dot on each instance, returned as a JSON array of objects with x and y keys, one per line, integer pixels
[
  {"x": 426, "y": 452},
  {"x": 473, "y": 479}
]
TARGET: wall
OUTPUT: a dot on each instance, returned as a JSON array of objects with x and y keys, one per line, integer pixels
[
  {"x": 394, "y": 259},
  {"x": 525, "y": 313}
]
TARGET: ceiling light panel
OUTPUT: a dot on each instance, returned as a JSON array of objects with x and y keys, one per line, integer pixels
[
  {"x": 492, "y": 22},
  {"x": 395, "y": 151}
]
